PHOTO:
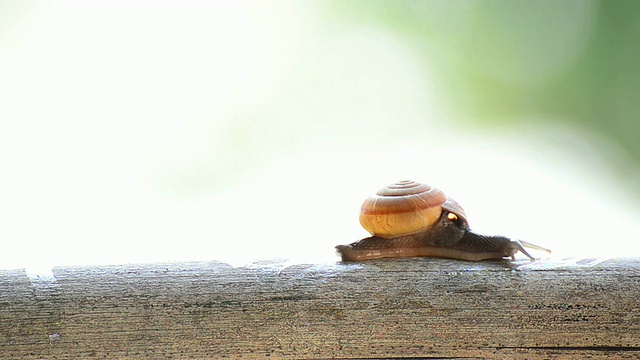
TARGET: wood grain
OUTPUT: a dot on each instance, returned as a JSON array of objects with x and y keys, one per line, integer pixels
[{"x": 400, "y": 308}]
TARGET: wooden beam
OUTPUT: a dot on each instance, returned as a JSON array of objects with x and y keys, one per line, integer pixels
[{"x": 379, "y": 309}]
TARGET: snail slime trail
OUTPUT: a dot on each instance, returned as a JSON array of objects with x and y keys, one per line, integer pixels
[{"x": 408, "y": 219}]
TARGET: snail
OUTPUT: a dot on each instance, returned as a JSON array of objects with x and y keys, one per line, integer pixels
[{"x": 409, "y": 218}]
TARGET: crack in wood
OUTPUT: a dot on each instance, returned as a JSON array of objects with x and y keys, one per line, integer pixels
[{"x": 580, "y": 348}]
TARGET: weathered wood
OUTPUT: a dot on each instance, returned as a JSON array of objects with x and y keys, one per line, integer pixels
[{"x": 379, "y": 309}]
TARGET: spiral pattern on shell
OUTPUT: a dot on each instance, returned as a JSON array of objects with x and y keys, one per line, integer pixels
[{"x": 403, "y": 208}]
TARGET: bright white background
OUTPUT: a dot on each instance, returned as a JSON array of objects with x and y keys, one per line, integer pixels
[{"x": 240, "y": 131}]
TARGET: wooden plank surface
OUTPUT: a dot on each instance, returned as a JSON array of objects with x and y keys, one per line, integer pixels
[{"x": 399, "y": 308}]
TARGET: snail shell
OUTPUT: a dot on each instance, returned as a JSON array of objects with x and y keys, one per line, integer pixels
[
  {"x": 409, "y": 218},
  {"x": 406, "y": 207}
]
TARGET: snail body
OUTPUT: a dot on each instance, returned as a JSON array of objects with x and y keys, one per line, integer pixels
[{"x": 409, "y": 219}]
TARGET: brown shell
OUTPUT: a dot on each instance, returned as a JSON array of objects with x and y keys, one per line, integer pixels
[{"x": 403, "y": 208}]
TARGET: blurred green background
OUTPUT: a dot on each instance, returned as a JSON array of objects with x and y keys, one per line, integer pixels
[
  {"x": 573, "y": 62},
  {"x": 487, "y": 66},
  {"x": 184, "y": 130}
]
